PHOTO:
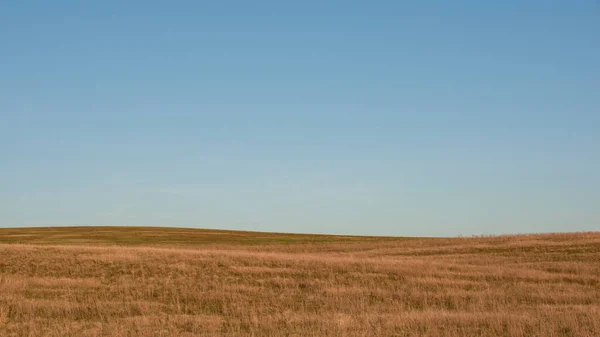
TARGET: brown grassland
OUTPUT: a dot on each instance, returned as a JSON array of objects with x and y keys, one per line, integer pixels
[{"x": 111, "y": 281}]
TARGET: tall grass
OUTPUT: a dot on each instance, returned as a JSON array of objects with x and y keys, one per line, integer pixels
[{"x": 269, "y": 285}]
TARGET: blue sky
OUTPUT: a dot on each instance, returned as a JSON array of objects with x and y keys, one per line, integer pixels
[{"x": 387, "y": 118}]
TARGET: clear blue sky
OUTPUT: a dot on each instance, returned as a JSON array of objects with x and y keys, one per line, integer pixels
[{"x": 384, "y": 118}]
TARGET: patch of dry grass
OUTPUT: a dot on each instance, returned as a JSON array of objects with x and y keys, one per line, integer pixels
[{"x": 177, "y": 282}]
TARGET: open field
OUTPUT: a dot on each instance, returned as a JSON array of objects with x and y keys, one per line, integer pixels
[{"x": 110, "y": 281}]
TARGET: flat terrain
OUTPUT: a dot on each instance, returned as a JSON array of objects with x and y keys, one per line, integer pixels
[{"x": 111, "y": 281}]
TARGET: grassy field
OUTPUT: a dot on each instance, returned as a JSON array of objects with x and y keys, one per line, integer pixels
[{"x": 111, "y": 281}]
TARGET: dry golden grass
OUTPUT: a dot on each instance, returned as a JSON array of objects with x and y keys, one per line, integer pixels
[{"x": 181, "y": 282}]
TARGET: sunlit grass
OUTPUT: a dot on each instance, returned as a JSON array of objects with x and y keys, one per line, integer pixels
[{"x": 110, "y": 281}]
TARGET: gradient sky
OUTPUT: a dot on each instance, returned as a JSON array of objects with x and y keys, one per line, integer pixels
[{"x": 384, "y": 118}]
